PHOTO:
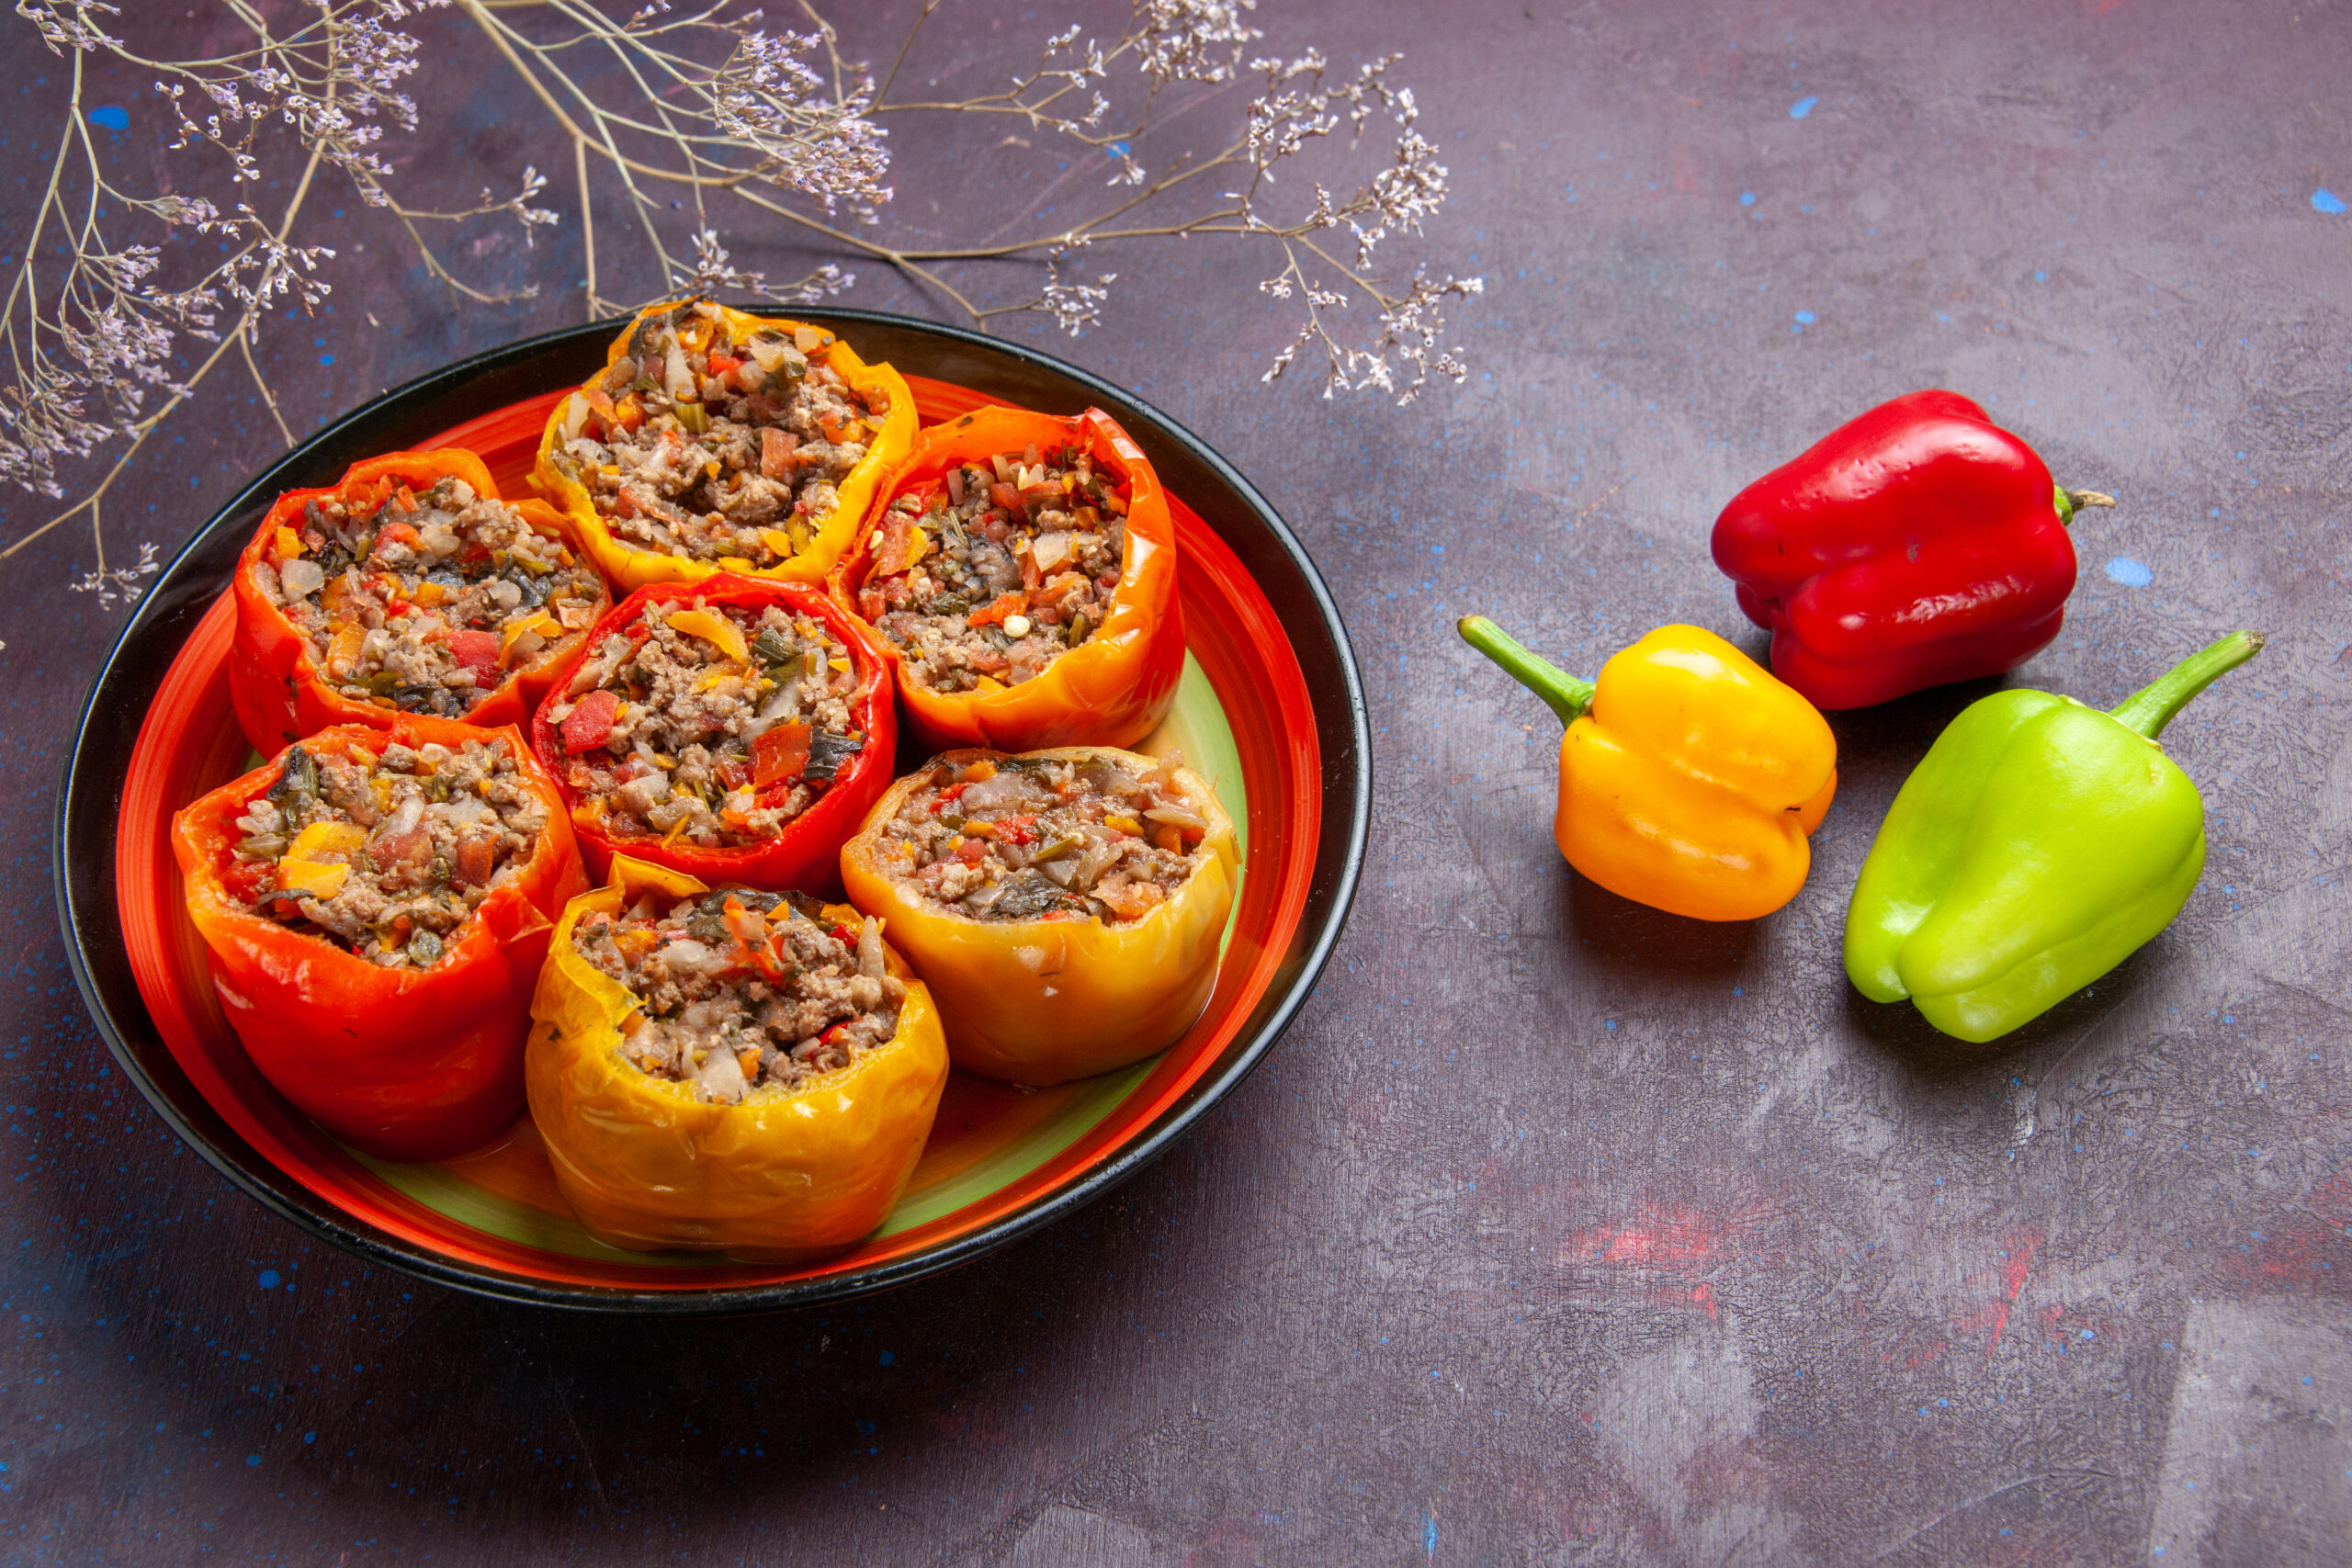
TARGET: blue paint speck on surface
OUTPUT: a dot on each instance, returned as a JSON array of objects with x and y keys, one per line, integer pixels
[
  {"x": 327, "y": 359},
  {"x": 1804, "y": 319},
  {"x": 1748, "y": 198},
  {"x": 889, "y": 1357},
  {"x": 2323, "y": 199},
  {"x": 253, "y": 1459},
  {"x": 1802, "y": 108},
  {"x": 268, "y": 1280},
  {"x": 2128, "y": 572},
  {"x": 115, "y": 119},
  {"x": 1429, "y": 1534}
]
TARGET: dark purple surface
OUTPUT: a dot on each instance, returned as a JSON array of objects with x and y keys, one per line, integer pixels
[{"x": 1558, "y": 1230}]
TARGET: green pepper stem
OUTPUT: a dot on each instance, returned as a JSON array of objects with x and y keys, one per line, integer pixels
[
  {"x": 2149, "y": 710},
  {"x": 2070, "y": 501},
  {"x": 1568, "y": 697}
]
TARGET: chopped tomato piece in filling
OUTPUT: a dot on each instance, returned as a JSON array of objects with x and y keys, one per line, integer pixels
[
  {"x": 780, "y": 754},
  {"x": 590, "y": 721}
]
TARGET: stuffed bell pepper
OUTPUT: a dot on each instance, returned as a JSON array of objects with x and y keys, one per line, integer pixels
[
  {"x": 409, "y": 588},
  {"x": 736, "y": 729},
  {"x": 730, "y": 1069},
  {"x": 1023, "y": 576},
  {"x": 377, "y": 904},
  {"x": 715, "y": 441},
  {"x": 1067, "y": 907}
]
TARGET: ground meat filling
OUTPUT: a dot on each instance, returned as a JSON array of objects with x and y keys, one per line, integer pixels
[
  {"x": 1024, "y": 838},
  {"x": 426, "y": 603},
  {"x": 739, "y": 992},
  {"x": 386, "y": 859},
  {"x": 699, "y": 444},
  {"x": 988, "y": 575},
  {"x": 717, "y": 724}
]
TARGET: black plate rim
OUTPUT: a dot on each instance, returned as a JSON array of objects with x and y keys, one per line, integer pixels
[{"x": 87, "y": 785}]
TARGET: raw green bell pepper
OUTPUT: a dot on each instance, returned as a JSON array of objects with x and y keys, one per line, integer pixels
[{"x": 2037, "y": 846}]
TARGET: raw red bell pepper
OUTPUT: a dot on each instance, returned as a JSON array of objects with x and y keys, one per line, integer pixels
[
  {"x": 405, "y": 1063},
  {"x": 805, "y": 855},
  {"x": 1916, "y": 545}
]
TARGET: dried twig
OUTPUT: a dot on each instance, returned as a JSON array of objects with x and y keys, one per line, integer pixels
[{"x": 708, "y": 127}]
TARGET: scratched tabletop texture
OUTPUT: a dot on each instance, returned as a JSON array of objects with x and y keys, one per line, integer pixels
[{"x": 1556, "y": 1231}]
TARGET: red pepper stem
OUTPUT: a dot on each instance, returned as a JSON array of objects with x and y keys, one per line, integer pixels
[
  {"x": 2070, "y": 501},
  {"x": 2149, "y": 710},
  {"x": 1568, "y": 697}
]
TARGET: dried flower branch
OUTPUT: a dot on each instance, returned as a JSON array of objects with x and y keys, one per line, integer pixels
[
  {"x": 708, "y": 131},
  {"x": 1297, "y": 107},
  {"x": 87, "y": 340}
]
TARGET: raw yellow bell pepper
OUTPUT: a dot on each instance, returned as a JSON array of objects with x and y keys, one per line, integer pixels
[
  {"x": 645, "y": 1163},
  {"x": 1689, "y": 777},
  {"x": 1063, "y": 997}
]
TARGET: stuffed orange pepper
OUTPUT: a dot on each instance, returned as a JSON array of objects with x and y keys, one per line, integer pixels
[
  {"x": 737, "y": 729},
  {"x": 378, "y": 903},
  {"x": 730, "y": 1069},
  {"x": 1021, "y": 574},
  {"x": 408, "y": 588},
  {"x": 1067, "y": 907},
  {"x": 715, "y": 441}
]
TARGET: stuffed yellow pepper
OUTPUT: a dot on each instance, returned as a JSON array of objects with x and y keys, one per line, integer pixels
[
  {"x": 1066, "y": 905},
  {"x": 728, "y": 1069},
  {"x": 715, "y": 441}
]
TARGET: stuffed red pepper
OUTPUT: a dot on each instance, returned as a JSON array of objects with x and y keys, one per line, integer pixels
[
  {"x": 377, "y": 904},
  {"x": 408, "y": 588},
  {"x": 736, "y": 729}
]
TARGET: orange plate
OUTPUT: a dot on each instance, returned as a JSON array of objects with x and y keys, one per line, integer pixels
[{"x": 430, "y": 1220}]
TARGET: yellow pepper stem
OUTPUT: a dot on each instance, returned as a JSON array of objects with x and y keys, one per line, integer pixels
[
  {"x": 1568, "y": 697},
  {"x": 2150, "y": 708}
]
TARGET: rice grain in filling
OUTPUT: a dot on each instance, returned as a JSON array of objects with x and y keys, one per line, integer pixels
[
  {"x": 715, "y": 723},
  {"x": 704, "y": 445},
  {"x": 427, "y": 603},
  {"x": 986, "y": 575},
  {"x": 1025, "y": 839},
  {"x": 739, "y": 993},
  {"x": 386, "y": 857}
]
